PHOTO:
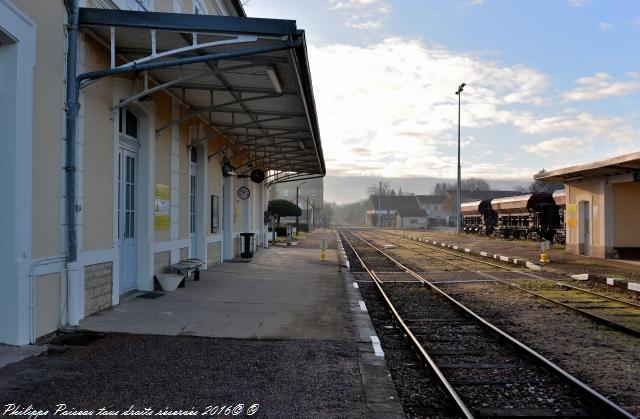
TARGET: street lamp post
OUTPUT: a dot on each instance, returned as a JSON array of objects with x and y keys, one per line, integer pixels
[
  {"x": 458, "y": 223},
  {"x": 297, "y": 205}
]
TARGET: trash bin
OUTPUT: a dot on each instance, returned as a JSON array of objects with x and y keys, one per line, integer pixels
[{"x": 247, "y": 245}]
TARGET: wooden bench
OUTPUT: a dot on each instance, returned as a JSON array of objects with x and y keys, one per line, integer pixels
[{"x": 186, "y": 266}]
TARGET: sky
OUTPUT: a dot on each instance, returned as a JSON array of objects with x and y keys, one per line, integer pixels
[{"x": 550, "y": 83}]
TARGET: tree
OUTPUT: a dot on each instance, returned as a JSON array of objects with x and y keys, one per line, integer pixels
[
  {"x": 440, "y": 189},
  {"x": 540, "y": 186},
  {"x": 450, "y": 203},
  {"x": 284, "y": 208},
  {"x": 326, "y": 213},
  {"x": 475, "y": 184},
  {"x": 382, "y": 188}
]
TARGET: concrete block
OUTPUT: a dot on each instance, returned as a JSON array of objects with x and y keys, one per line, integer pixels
[
  {"x": 580, "y": 277},
  {"x": 533, "y": 266}
]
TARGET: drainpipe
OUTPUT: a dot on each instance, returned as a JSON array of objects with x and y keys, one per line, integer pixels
[
  {"x": 72, "y": 106},
  {"x": 75, "y": 294}
]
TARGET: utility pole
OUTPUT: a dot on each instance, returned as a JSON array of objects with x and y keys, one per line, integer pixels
[
  {"x": 458, "y": 199},
  {"x": 380, "y": 205}
]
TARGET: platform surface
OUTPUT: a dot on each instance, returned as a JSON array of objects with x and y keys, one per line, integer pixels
[
  {"x": 283, "y": 333},
  {"x": 283, "y": 293}
]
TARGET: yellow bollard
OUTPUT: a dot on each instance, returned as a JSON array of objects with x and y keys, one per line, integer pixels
[
  {"x": 323, "y": 255},
  {"x": 544, "y": 246},
  {"x": 544, "y": 258}
]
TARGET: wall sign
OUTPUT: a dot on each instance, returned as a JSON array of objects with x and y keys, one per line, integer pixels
[
  {"x": 244, "y": 192},
  {"x": 162, "y": 217}
]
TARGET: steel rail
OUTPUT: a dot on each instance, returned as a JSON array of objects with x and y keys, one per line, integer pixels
[
  {"x": 629, "y": 303},
  {"x": 443, "y": 381},
  {"x": 584, "y": 388},
  {"x": 464, "y": 256},
  {"x": 594, "y": 317}
]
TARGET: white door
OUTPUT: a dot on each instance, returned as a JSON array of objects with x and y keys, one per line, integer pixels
[
  {"x": 127, "y": 190},
  {"x": 193, "y": 199}
]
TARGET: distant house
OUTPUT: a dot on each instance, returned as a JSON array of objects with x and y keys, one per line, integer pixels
[
  {"x": 394, "y": 211},
  {"x": 419, "y": 211},
  {"x": 411, "y": 218},
  {"x": 435, "y": 208}
]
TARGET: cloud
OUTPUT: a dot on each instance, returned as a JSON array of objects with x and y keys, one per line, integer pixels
[
  {"x": 397, "y": 99},
  {"x": 605, "y": 26},
  {"x": 555, "y": 146},
  {"x": 577, "y": 3},
  {"x": 602, "y": 85},
  {"x": 607, "y": 132},
  {"x": 362, "y": 14}
]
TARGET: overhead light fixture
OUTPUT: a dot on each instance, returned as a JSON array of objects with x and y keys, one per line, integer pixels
[{"x": 275, "y": 80}]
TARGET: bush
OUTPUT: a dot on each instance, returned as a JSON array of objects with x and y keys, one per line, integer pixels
[{"x": 282, "y": 231}]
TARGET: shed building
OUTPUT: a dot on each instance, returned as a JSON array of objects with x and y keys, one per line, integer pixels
[
  {"x": 602, "y": 202},
  {"x": 411, "y": 218},
  {"x": 383, "y": 210}
]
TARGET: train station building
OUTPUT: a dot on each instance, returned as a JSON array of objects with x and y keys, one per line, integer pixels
[
  {"x": 137, "y": 134},
  {"x": 602, "y": 201}
]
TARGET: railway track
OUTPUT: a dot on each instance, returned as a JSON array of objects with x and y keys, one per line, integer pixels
[
  {"x": 621, "y": 315},
  {"x": 485, "y": 372}
]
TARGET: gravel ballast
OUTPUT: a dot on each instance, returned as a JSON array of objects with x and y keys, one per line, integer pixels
[{"x": 286, "y": 378}]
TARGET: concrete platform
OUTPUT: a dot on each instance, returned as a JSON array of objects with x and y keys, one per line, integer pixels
[
  {"x": 283, "y": 293},
  {"x": 11, "y": 354},
  {"x": 287, "y": 295}
]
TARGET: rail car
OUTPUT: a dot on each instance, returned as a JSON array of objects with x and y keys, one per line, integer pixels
[
  {"x": 478, "y": 217},
  {"x": 536, "y": 216}
]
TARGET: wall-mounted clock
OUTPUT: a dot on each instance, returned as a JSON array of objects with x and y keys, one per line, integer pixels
[{"x": 244, "y": 192}]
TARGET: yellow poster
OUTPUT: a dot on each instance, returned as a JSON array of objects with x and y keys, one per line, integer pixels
[
  {"x": 572, "y": 222},
  {"x": 162, "y": 205}
]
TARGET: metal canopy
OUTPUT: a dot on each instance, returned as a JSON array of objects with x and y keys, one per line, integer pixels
[
  {"x": 628, "y": 163},
  {"x": 248, "y": 78}
]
